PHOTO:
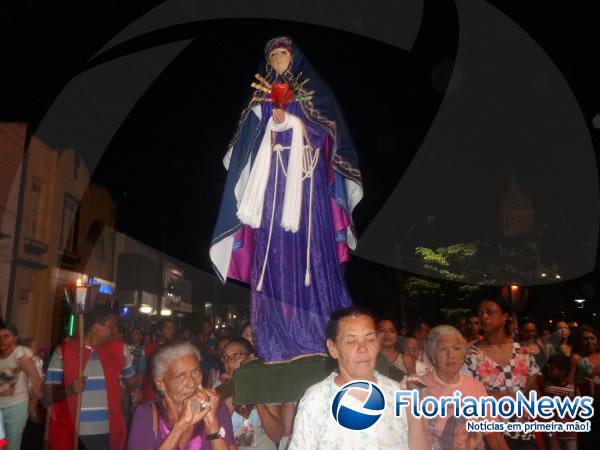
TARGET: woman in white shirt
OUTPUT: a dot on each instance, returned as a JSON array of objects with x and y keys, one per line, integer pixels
[{"x": 17, "y": 370}]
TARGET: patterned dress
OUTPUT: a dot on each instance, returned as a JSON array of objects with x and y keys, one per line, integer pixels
[
  {"x": 510, "y": 378},
  {"x": 316, "y": 429}
]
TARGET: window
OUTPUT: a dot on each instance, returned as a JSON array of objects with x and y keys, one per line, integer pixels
[
  {"x": 173, "y": 286},
  {"x": 68, "y": 239}
]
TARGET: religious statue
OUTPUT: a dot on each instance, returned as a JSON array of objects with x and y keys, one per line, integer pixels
[{"x": 285, "y": 221}]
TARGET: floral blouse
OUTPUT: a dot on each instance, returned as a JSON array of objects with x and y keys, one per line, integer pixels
[{"x": 497, "y": 378}]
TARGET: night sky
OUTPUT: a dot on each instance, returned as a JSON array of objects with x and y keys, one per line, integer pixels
[{"x": 164, "y": 166}]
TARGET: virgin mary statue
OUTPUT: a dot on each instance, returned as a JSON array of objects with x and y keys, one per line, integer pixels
[{"x": 285, "y": 220}]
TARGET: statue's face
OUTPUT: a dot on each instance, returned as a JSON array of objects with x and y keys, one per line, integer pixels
[{"x": 280, "y": 59}]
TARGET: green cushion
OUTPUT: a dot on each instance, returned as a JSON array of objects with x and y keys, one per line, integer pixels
[{"x": 257, "y": 382}]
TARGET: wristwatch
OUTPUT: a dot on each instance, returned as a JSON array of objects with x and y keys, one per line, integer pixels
[{"x": 218, "y": 435}]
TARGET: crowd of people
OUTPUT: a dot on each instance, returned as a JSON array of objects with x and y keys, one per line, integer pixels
[{"x": 173, "y": 389}]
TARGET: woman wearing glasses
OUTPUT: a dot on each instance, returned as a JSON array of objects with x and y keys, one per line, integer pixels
[{"x": 257, "y": 426}]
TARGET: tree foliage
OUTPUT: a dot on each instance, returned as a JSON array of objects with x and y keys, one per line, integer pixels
[{"x": 446, "y": 288}]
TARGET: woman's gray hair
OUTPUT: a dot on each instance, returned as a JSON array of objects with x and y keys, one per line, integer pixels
[
  {"x": 435, "y": 335},
  {"x": 167, "y": 355}
]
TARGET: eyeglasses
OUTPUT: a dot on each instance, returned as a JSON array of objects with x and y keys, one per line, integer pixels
[{"x": 233, "y": 357}]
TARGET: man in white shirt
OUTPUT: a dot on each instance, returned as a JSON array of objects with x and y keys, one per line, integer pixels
[{"x": 352, "y": 340}]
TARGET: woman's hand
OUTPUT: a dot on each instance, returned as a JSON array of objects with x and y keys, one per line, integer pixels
[
  {"x": 7, "y": 389},
  {"x": 195, "y": 408},
  {"x": 213, "y": 399}
]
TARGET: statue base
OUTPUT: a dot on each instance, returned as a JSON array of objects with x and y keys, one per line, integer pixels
[{"x": 260, "y": 382}]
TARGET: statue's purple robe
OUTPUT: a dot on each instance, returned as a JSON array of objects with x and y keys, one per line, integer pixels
[{"x": 289, "y": 317}]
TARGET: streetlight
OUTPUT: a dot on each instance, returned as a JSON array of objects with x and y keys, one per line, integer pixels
[
  {"x": 146, "y": 309},
  {"x": 147, "y": 302},
  {"x": 82, "y": 298},
  {"x": 579, "y": 302},
  {"x": 513, "y": 295}
]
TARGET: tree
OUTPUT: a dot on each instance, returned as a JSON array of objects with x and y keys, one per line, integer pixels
[{"x": 446, "y": 289}]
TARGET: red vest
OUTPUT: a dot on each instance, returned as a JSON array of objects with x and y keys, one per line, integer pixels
[
  {"x": 148, "y": 387},
  {"x": 62, "y": 418}
]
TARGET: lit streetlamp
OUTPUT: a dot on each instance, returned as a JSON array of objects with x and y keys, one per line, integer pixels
[
  {"x": 146, "y": 309},
  {"x": 579, "y": 302},
  {"x": 81, "y": 298}
]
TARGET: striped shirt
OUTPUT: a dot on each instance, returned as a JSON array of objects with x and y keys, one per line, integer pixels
[
  {"x": 568, "y": 390},
  {"x": 94, "y": 401}
]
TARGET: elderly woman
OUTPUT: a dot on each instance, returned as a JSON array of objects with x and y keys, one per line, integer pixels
[
  {"x": 446, "y": 349},
  {"x": 187, "y": 416}
]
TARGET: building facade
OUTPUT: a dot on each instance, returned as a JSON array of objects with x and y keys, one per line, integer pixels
[{"x": 58, "y": 228}]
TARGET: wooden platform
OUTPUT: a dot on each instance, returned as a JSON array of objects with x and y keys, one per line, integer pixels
[{"x": 257, "y": 382}]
